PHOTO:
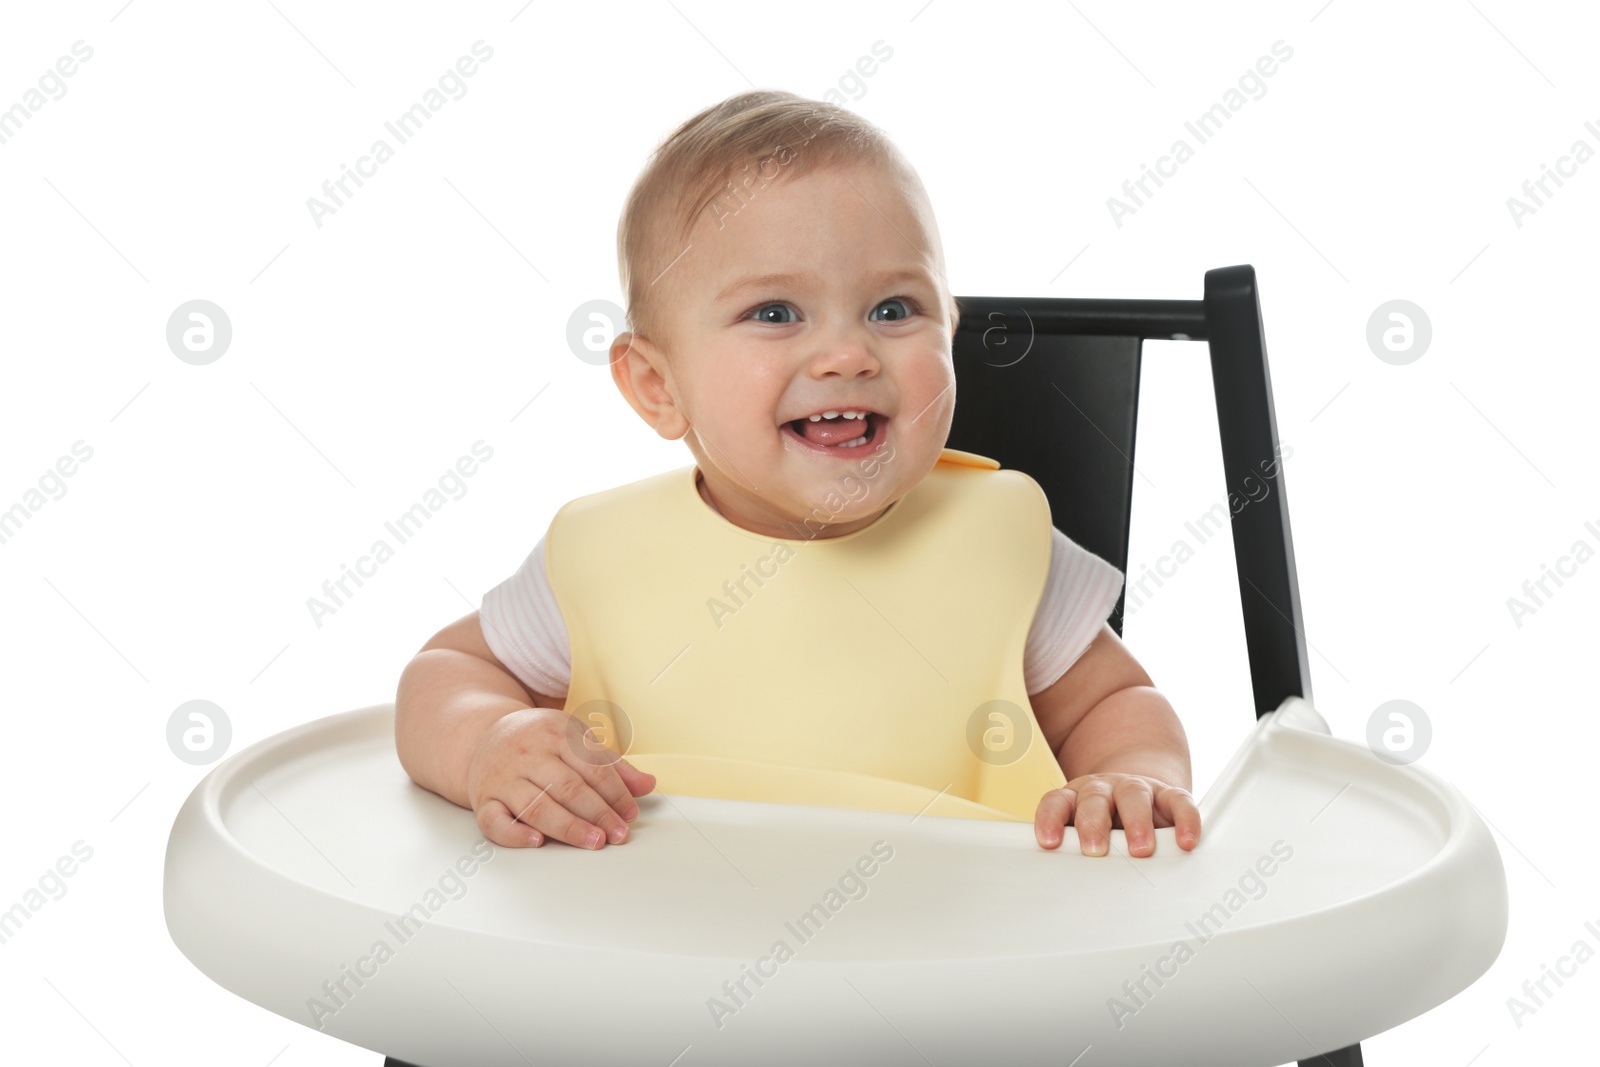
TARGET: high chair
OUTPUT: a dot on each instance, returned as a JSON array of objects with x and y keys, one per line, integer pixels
[{"x": 1334, "y": 894}]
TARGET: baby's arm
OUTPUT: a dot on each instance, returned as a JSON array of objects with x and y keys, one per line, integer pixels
[
  {"x": 1123, "y": 752},
  {"x": 469, "y": 731}
]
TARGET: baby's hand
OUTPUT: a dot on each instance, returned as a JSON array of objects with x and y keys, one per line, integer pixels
[
  {"x": 1094, "y": 798},
  {"x": 536, "y": 773}
]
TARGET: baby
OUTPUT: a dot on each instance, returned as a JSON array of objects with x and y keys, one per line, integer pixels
[{"x": 792, "y": 323}]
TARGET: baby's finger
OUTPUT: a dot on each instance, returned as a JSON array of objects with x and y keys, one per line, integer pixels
[
  {"x": 613, "y": 806},
  {"x": 495, "y": 820},
  {"x": 638, "y": 782},
  {"x": 1055, "y": 809},
  {"x": 1094, "y": 817},
  {"x": 600, "y": 767},
  {"x": 550, "y": 809},
  {"x": 1178, "y": 806},
  {"x": 1134, "y": 804}
]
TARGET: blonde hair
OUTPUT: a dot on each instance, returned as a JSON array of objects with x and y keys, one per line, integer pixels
[{"x": 730, "y": 148}]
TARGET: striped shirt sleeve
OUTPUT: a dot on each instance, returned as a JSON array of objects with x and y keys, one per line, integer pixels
[
  {"x": 523, "y": 627},
  {"x": 1079, "y": 593}
]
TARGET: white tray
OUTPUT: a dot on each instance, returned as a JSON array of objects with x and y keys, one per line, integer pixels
[{"x": 294, "y": 858}]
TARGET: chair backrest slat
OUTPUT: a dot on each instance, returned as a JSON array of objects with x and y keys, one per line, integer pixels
[{"x": 1050, "y": 386}]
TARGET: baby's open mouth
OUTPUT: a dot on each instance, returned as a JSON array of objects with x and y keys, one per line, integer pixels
[{"x": 845, "y": 431}]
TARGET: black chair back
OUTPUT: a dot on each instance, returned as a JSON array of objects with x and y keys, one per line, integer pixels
[{"x": 1050, "y": 386}]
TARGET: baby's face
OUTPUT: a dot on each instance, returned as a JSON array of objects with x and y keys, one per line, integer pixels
[{"x": 823, "y": 293}]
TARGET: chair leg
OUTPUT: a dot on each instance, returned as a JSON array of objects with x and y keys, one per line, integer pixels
[{"x": 1345, "y": 1057}]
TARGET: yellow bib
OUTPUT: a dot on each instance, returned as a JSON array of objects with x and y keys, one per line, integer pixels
[{"x": 877, "y": 670}]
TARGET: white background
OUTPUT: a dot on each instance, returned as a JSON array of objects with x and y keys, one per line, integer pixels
[{"x": 368, "y": 354}]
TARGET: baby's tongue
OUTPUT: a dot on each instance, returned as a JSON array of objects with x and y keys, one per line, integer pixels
[{"x": 832, "y": 431}]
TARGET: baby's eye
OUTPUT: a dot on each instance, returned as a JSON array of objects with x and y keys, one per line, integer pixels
[
  {"x": 761, "y": 314},
  {"x": 907, "y": 306}
]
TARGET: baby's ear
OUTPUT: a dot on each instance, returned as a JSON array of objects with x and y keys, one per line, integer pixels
[
  {"x": 639, "y": 368},
  {"x": 621, "y": 346}
]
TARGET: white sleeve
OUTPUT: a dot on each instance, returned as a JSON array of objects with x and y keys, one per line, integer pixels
[
  {"x": 1079, "y": 594},
  {"x": 523, "y": 627}
]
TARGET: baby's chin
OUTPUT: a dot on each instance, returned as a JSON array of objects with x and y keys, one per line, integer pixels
[
  {"x": 821, "y": 525},
  {"x": 846, "y": 497}
]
